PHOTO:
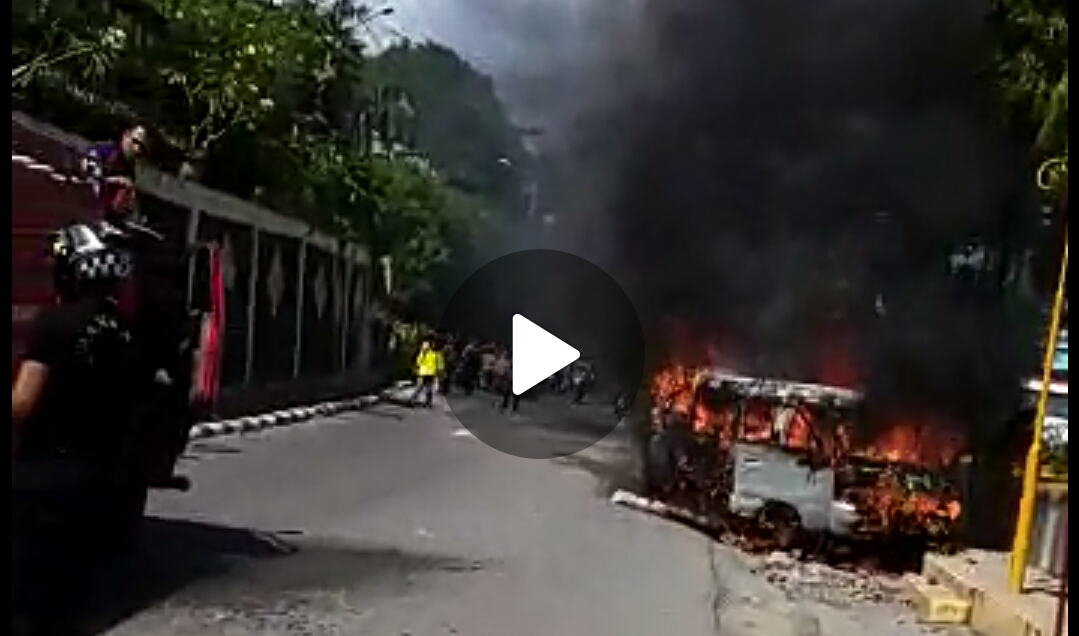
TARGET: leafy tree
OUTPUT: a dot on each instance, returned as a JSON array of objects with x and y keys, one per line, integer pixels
[
  {"x": 231, "y": 61},
  {"x": 274, "y": 101},
  {"x": 456, "y": 117},
  {"x": 1032, "y": 73},
  {"x": 436, "y": 102},
  {"x": 394, "y": 203},
  {"x": 70, "y": 37}
]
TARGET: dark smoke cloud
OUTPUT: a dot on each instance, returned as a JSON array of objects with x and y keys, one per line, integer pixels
[
  {"x": 772, "y": 174},
  {"x": 791, "y": 177}
]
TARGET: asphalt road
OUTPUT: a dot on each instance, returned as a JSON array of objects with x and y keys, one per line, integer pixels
[{"x": 393, "y": 522}]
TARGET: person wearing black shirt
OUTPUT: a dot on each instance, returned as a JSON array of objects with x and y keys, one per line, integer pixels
[
  {"x": 582, "y": 378},
  {"x": 168, "y": 327},
  {"x": 450, "y": 362},
  {"x": 469, "y": 368},
  {"x": 510, "y": 400},
  {"x": 69, "y": 407}
]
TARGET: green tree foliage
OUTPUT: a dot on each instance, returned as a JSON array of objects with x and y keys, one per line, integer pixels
[
  {"x": 274, "y": 101},
  {"x": 438, "y": 103},
  {"x": 1032, "y": 73},
  {"x": 64, "y": 37},
  {"x": 456, "y": 118},
  {"x": 227, "y": 59}
]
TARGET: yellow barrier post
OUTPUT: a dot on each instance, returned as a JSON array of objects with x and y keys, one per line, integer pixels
[{"x": 1025, "y": 523}]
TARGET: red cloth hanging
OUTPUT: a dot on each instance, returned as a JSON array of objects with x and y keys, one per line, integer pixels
[{"x": 213, "y": 331}]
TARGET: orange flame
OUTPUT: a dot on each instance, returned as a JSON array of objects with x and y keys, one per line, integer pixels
[
  {"x": 923, "y": 442},
  {"x": 917, "y": 442}
]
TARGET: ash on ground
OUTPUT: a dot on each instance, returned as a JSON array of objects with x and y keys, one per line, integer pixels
[{"x": 802, "y": 580}]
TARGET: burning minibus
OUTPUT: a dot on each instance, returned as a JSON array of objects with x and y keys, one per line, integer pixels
[{"x": 793, "y": 457}]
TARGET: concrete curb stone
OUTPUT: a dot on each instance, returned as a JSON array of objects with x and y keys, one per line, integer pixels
[{"x": 286, "y": 417}]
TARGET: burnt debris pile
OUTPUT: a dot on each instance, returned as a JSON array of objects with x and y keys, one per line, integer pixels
[{"x": 839, "y": 587}]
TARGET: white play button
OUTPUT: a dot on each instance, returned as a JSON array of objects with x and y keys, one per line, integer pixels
[{"x": 536, "y": 354}]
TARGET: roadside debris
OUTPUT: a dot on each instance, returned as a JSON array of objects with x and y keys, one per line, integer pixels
[
  {"x": 840, "y": 587},
  {"x": 883, "y": 600}
]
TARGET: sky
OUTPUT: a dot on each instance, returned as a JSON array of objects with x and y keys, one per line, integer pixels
[
  {"x": 530, "y": 47},
  {"x": 496, "y": 35}
]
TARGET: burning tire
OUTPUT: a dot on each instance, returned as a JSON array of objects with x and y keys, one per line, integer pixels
[
  {"x": 783, "y": 525},
  {"x": 660, "y": 462}
]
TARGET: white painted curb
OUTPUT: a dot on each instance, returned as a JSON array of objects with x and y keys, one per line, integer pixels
[{"x": 251, "y": 423}]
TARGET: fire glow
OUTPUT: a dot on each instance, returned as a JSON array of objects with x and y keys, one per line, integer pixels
[
  {"x": 920, "y": 442},
  {"x": 882, "y": 473}
]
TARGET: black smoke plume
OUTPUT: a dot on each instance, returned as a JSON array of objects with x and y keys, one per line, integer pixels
[{"x": 798, "y": 181}]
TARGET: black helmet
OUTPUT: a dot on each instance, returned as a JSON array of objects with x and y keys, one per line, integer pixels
[{"x": 83, "y": 256}]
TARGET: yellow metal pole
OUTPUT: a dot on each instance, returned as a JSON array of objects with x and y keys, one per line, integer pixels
[{"x": 1025, "y": 523}]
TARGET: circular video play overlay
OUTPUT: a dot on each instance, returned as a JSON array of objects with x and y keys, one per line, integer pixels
[{"x": 535, "y": 322}]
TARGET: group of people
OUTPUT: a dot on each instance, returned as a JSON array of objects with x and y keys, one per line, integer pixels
[
  {"x": 102, "y": 364},
  {"x": 448, "y": 363}
]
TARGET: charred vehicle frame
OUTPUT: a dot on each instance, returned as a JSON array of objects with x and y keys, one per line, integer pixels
[{"x": 778, "y": 454}]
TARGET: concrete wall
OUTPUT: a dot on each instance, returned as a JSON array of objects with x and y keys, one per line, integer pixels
[
  {"x": 297, "y": 302},
  {"x": 42, "y": 198}
]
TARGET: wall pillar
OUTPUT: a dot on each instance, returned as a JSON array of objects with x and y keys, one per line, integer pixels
[
  {"x": 301, "y": 278},
  {"x": 192, "y": 237},
  {"x": 344, "y": 284},
  {"x": 252, "y": 304},
  {"x": 363, "y": 356}
]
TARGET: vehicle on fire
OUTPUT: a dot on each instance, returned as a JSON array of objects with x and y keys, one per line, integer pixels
[{"x": 780, "y": 453}]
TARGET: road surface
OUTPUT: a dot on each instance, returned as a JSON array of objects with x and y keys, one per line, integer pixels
[{"x": 394, "y": 522}]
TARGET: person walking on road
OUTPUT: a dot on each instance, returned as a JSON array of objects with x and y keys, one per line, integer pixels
[
  {"x": 504, "y": 372},
  {"x": 469, "y": 368},
  {"x": 429, "y": 367},
  {"x": 582, "y": 377},
  {"x": 510, "y": 400},
  {"x": 488, "y": 372},
  {"x": 449, "y": 363}
]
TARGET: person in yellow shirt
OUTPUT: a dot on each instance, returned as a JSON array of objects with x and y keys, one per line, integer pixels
[{"x": 429, "y": 366}]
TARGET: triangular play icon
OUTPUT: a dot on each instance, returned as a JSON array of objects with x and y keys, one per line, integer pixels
[{"x": 536, "y": 354}]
